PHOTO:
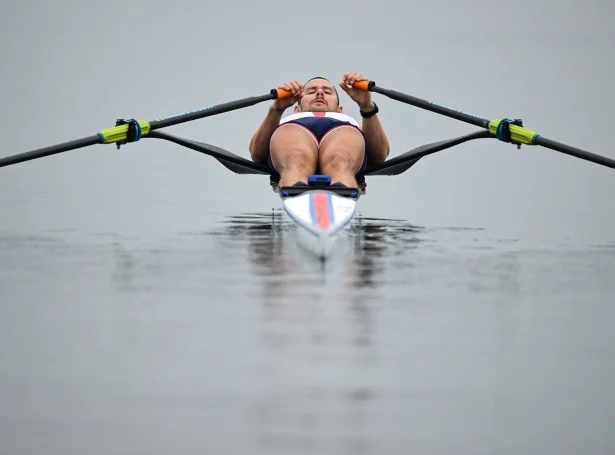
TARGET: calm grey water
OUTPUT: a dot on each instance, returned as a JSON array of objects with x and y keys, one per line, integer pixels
[{"x": 228, "y": 339}]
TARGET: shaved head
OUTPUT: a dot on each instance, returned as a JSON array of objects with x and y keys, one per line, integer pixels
[
  {"x": 325, "y": 79},
  {"x": 319, "y": 95}
]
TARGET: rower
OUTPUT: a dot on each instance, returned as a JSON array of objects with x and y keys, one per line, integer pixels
[{"x": 318, "y": 138}]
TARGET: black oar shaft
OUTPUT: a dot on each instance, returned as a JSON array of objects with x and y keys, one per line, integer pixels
[
  {"x": 523, "y": 135},
  {"x": 208, "y": 111},
  {"x": 51, "y": 150},
  {"x": 576, "y": 152},
  {"x": 153, "y": 125},
  {"x": 424, "y": 104}
]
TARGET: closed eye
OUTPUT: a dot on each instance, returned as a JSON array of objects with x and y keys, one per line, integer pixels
[{"x": 328, "y": 91}]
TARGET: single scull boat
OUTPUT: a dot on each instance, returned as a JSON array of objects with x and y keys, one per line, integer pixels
[{"x": 320, "y": 211}]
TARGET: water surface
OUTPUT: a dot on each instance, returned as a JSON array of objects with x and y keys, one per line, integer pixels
[{"x": 229, "y": 339}]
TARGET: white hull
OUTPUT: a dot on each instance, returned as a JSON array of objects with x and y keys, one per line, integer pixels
[{"x": 322, "y": 217}]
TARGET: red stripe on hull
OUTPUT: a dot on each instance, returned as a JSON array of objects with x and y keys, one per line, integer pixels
[{"x": 321, "y": 210}]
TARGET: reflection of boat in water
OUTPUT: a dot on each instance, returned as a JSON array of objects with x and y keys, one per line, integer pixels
[
  {"x": 266, "y": 233},
  {"x": 270, "y": 241},
  {"x": 374, "y": 235}
]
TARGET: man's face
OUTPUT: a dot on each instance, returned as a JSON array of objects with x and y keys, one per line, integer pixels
[{"x": 318, "y": 96}]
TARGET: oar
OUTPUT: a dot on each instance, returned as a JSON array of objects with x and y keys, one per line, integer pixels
[
  {"x": 506, "y": 130},
  {"x": 131, "y": 130}
]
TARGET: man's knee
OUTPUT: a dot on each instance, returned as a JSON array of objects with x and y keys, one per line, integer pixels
[
  {"x": 298, "y": 157},
  {"x": 291, "y": 146},
  {"x": 344, "y": 154},
  {"x": 337, "y": 160}
]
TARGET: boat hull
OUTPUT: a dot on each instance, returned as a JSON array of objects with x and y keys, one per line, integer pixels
[{"x": 322, "y": 217}]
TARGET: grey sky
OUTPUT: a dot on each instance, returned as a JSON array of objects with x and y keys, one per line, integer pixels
[{"x": 71, "y": 68}]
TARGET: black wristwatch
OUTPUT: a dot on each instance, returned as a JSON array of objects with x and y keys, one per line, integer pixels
[{"x": 371, "y": 113}]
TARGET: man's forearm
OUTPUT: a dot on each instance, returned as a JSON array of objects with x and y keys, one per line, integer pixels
[
  {"x": 259, "y": 144},
  {"x": 376, "y": 142}
]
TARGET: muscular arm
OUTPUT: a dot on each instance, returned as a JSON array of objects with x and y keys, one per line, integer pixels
[
  {"x": 376, "y": 143},
  {"x": 259, "y": 144}
]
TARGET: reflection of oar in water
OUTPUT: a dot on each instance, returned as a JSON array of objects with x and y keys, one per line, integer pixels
[{"x": 320, "y": 211}]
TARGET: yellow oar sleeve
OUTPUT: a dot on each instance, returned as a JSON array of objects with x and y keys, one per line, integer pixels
[
  {"x": 518, "y": 134},
  {"x": 120, "y": 133}
]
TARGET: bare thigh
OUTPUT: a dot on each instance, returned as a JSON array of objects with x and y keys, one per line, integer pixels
[
  {"x": 293, "y": 150},
  {"x": 342, "y": 152}
]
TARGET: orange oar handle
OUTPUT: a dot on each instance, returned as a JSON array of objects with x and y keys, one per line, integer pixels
[
  {"x": 363, "y": 85},
  {"x": 281, "y": 93}
]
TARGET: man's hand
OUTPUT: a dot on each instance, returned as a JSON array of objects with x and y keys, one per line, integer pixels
[
  {"x": 296, "y": 88},
  {"x": 362, "y": 97}
]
